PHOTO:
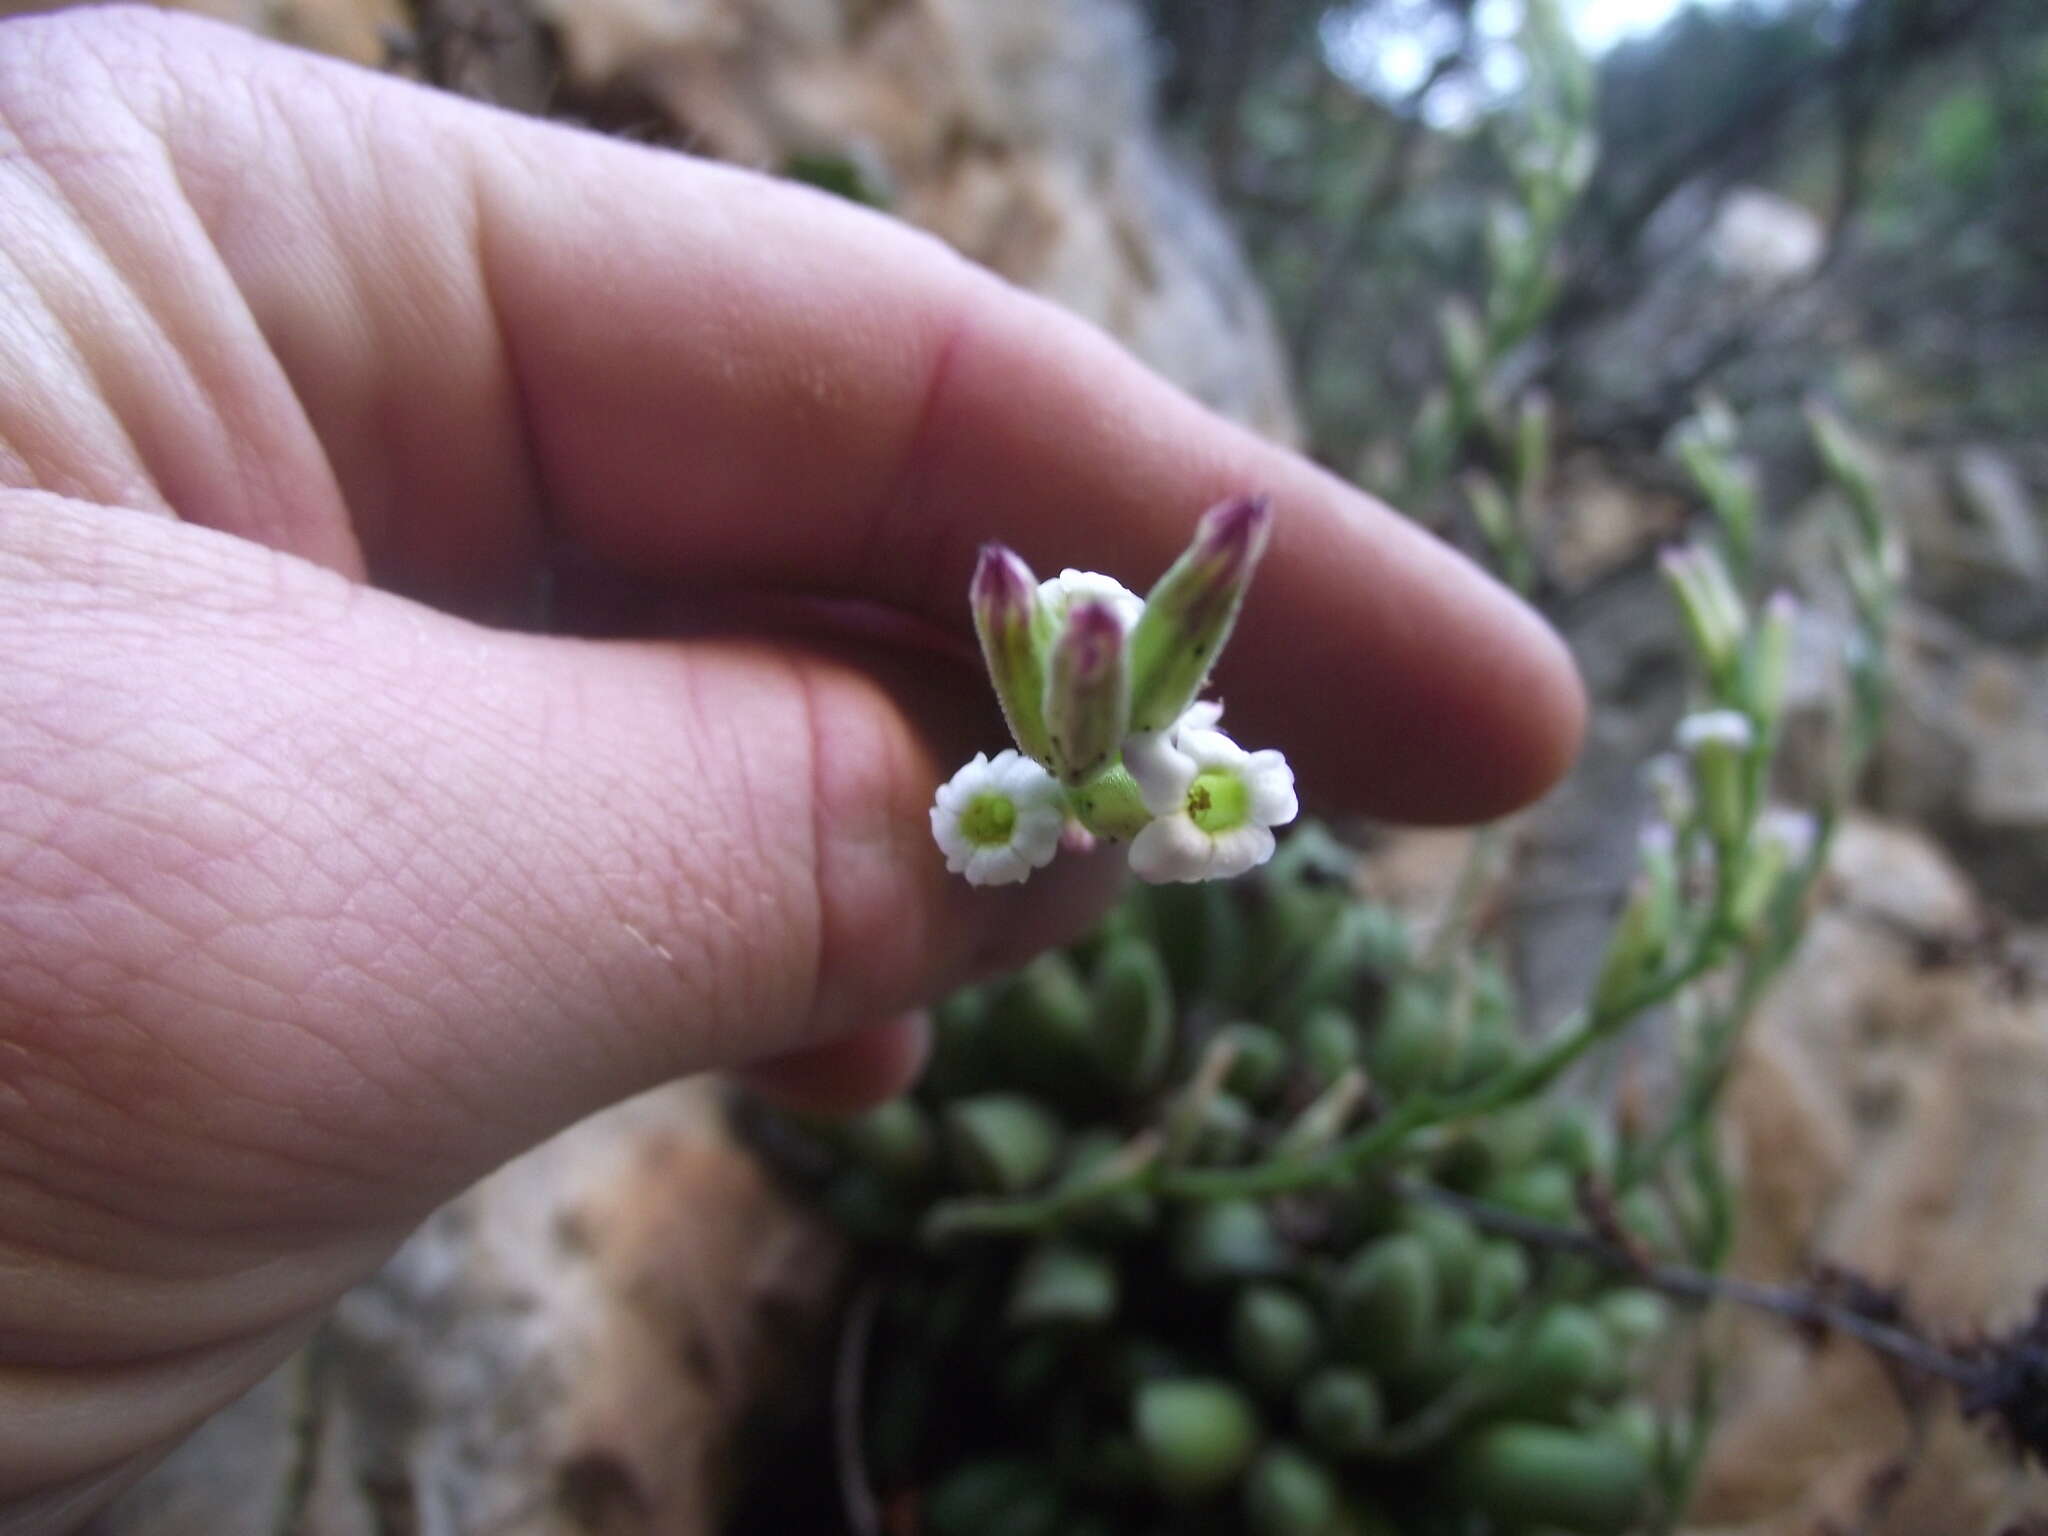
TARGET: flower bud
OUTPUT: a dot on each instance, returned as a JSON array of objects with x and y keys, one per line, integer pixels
[
  {"x": 1770, "y": 658},
  {"x": 1189, "y": 613},
  {"x": 1719, "y": 742},
  {"x": 1464, "y": 342},
  {"x": 1087, "y": 692},
  {"x": 1711, "y": 607},
  {"x": 1499, "y": 527},
  {"x": 1532, "y": 446},
  {"x": 1783, "y": 840},
  {"x": 1289, "y": 1494},
  {"x": 1110, "y": 806},
  {"x": 1633, "y": 949},
  {"x": 1671, "y": 787},
  {"x": 1059, "y": 1284},
  {"x": 1848, "y": 463},
  {"x": 1341, "y": 1410},
  {"x": 1009, "y": 622},
  {"x": 1198, "y": 1434}
]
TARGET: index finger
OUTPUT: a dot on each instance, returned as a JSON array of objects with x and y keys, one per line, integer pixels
[
  {"x": 779, "y": 388},
  {"x": 522, "y": 333}
]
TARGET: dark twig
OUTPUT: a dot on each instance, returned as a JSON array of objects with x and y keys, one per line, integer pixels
[
  {"x": 863, "y": 1513},
  {"x": 1795, "y": 1304}
]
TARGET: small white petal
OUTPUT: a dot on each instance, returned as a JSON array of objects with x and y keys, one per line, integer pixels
[
  {"x": 1037, "y": 801},
  {"x": 1271, "y": 785},
  {"x": 1723, "y": 727},
  {"x": 1212, "y": 751},
  {"x": 1163, "y": 772},
  {"x": 1037, "y": 837},
  {"x": 1200, "y": 716},
  {"x": 1061, "y": 592},
  {"x": 1022, "y": 779},
  {"x": 951, "y": 840},
  {"x": 1793, "y": 831},
  {"x": 996, "y": 866},
  {"x": 1239, "y": 849},
  {"x": 1171, "y": 849}
]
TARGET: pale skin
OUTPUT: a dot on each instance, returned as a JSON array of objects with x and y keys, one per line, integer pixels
[{"x": 420, "y": 718}]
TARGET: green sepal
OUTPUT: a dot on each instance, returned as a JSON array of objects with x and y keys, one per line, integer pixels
[
  {"x": 1012, "y": 628},
  {"x": 1190, "y": 611},
  {"x": 1087, "y": 692}
]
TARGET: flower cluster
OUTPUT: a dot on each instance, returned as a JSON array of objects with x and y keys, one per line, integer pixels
[{"x": 1098, "y": 687}]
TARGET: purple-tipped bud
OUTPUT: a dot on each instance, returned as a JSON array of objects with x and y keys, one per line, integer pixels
[
  {"x": 1770, "y": 658},
  {"x": 1004, "y": 597},
  {"x": 1087, "y": 692},
  {"x": 1719, "y": 742},
  {"x": 1712, "y": 609},
  {"x": 1189, "y": 614}
]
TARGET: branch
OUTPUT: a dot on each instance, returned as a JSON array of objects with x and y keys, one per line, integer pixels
[{"x": 1804, "y": 1307}]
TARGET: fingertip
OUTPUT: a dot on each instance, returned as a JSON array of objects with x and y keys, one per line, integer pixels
[
  {"x": 849, "y": 1074},
  {"x": 1402, "y": 679}
]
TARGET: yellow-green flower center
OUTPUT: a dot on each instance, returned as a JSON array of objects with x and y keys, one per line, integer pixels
[
  {"x": 1218, "y": 801},
  {"x": 989, "y": 820}
]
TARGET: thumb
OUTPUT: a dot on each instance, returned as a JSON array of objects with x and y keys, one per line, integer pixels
[{"x": 319, "y": 879}]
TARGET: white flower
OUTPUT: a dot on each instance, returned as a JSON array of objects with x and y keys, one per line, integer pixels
[
  {"x": 1160, "y": 765},
  {"x": 1223, "y": 823},
  {"x": 1059, "y": 593},
  {"x": 1792, "y": 832},
  {"x": 999, "y": 819},
  {"x": 1728, "y": 728}
]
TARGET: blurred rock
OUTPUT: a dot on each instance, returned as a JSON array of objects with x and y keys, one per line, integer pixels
[
  {"x": 1595, "y": 523},
  {"x": 1978, "y": 550},
  {"x": 1020, "y": 134},
  {"x": 1729, "y": 270},
  {"x": 1760, "y": 240},
  {"x": 571, "y": 1347},
  {"x": 1887, "y": 1117},
  {"x": 357, "y": 30}
]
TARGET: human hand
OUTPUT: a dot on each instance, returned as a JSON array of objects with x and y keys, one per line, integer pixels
[{"x": 483, "y": 617}]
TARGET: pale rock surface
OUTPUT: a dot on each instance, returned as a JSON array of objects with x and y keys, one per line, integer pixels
[
  {"x": 572, "y": 1346},
  {"x": 1020, "y": 134},
  {"x": 1965, "y": 750},
  {"x": 1887, "y": 1115}
]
